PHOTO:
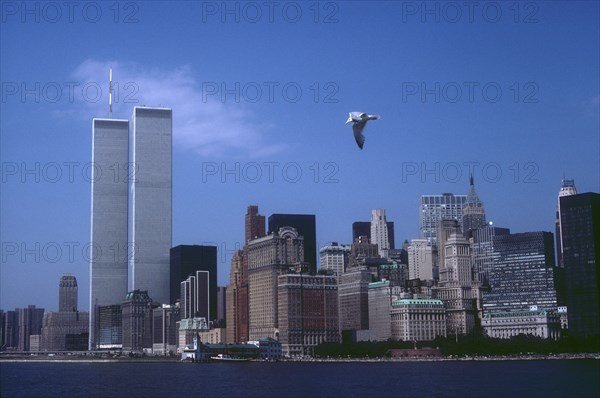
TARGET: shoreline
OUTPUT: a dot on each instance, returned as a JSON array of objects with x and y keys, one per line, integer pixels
[{"x": 532, "y": 357}]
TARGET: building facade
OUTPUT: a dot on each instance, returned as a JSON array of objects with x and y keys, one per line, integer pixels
[
  {"x": 151, "y": 219},
  {"x": 305, "y": 224},
  {"x": 353, "y": 296},
  {"x": 269, "y": 257},
  {"x": 418, "y": 320},
  {"x": 435, "y": 208},
  {"x": 379, "y": 232},
  {"x": 185, "y": 260},
  {"x": 308, "y": 312},
  {"x": 580, "y": 215},
  {"x": 504, "y": 325},
  {"x": 137, "y": 312},
  {"x": 334, "y": 257},
  {"x": 420, "y": 260},
  {"x": 109, "y": 216},
  {"x": 522, "y": 273},
  {"x": 473, "y": 212}
]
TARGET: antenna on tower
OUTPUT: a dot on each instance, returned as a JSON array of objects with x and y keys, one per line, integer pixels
[{"x": 110, "y": 94}]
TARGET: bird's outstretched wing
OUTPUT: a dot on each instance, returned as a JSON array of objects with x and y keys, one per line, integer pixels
[{"x": 357, "y": 128}]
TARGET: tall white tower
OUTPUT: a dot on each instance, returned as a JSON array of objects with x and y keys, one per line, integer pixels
[{"x": 379, "y": 231}]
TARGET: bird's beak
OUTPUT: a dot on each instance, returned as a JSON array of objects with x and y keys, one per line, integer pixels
[{"x": 349, "y": 120}]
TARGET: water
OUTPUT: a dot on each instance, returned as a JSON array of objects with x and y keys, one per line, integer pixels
[{"x": 515, "y": 379}]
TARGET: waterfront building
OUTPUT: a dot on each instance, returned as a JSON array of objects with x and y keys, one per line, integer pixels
[
  {"x": 580, "y": 225},
  {"x": 307, "y": 312},
  {"x": 269, "y": 257},
  {"x": 109, "y": 327},
  {"x": 165, "y": 334},
  {"x": 522, "y": 273},
  {"x": 189, "y": 329},
  {"x": 418, "y": 320},
  {"x": 232, "y": 301},
  {"x": 353, "y": 296},
  {"x": 539, "y": 323},
  {"x": 137, "y": 311},
  {"x": 380, "y": 306},
  {"x": 29, "y": 323}
]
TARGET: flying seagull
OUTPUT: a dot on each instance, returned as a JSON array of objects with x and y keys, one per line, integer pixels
[{"x": 359, "y": 121}]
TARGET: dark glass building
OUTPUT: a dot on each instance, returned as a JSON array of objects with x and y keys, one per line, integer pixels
[
  {"x": 580, "y": 224},
  {"x": 522, "y": 274},
  {"x": 185, "y": 261},
  {"x": 306, "y": 227}
]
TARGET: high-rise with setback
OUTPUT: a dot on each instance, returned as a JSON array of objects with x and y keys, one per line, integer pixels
[
  {"x": 109, "y": 182},
  {"x": 151, "y": 201}
]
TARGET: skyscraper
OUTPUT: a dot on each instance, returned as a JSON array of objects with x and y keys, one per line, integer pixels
[
  {"x": 434, "y": 208},
  {"x": 109, "y": 183},
  {"x": 306, "y": 227},
  {"x": 522, "y": 274},
  {"x": 473, "y": 212},
  {"x": 29, "y": 323},
  {"x": 363, "y": 228},
  {"x": 580, "y": 215},
  {"x": 482, "y": 244},
  {"x": 151, "y": 201},
  {"x": 137, "y": 311},
  {"x": 567, "y": 189},
  {"x": 67, "y": 294},
  {"x": 269, "y": 257},
  {"x": 254, "y": 228},
  {"x": 379, "y": 231},
  {"x": 334, "y": 257},
  {"x": 186, "y": 260},
  {"x": 232, "y": 314},
  {"x": 420, "y": 260}
]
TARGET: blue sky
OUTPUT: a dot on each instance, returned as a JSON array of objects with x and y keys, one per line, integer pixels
[{"x": 259, "y": 103}]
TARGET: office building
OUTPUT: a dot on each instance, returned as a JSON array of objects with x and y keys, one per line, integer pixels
[
  {"x": 482, "y": 249},
  {"x": 456, "y": 289},
  {"x": 151, "y": 201},
  {"x": 195, "y": 296},
  {"x": 418, "y": 319},
  {"x": 363, "y": 228},
  {"x": 306, "y": 227},
  {"x": 334, "y": 257},
  {"x": 67, "y": 294},
  {"x": 109, "y": 324},
  {"x": 380, "y": 305},
  {"x": 353, "y": 296},
  {"x": 567, "y": 189},
  {"x": 307, "y": 312},
  {"x": 435, "y": 208},
  {"x": 268, "y": 258},
  {"x": 29, "y": 323},
  {"x": 420, "y": 260},
  {"x": 522, "y": 273},
  {"x": 379, "y": 232},
  {"x": 580, "y": 225},
  {"x": 109, "y": 197},
  {"x": 473, "y": 212},
  {"x": 137, "y": 311},
  {"x": 165, "y": 331},
  {"x": 232, "y": 301},
  {"x": 60, "y": 327},
  {"x": 221, "y": 306},
  {"x": 187, "y": 260},
  {"x": 539, "y": 323}
]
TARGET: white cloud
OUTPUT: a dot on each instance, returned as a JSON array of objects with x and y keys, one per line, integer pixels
[{"x": 204, "y": 125}]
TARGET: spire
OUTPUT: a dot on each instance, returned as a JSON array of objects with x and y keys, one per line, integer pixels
[{"x": 472, "y": 197}]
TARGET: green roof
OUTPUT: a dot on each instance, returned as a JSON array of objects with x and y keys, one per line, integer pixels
[{"x": 374, "y": 285}]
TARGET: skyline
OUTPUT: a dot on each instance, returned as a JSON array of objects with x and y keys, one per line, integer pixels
[{"x": 398, "y": 53}]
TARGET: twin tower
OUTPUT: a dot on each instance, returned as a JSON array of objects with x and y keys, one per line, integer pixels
[{"x": 131, "y": 208}]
